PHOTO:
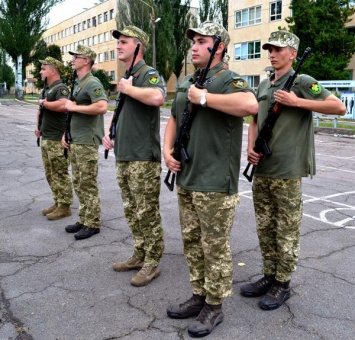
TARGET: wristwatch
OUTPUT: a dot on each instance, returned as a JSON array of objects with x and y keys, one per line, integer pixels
[{"x": 203, "y": 100}]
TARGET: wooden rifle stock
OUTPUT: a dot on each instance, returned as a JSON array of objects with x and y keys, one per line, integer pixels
[
  {"x": 261, "y": 143},
  {"x": 120, "y": 102},
  {"x": 182, "y": 139},
  {"x": 67, "y": 135}
]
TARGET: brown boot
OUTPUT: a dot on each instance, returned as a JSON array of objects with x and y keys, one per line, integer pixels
[
  {"x": 130, "y": 264},
  {"x": 145, "y": 276},
  {"x": 50, "y": 209},
  {"x": 60, "y": 212}
]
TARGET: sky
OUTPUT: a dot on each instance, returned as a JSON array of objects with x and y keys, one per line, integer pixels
[{"x": 70, "y": 8}]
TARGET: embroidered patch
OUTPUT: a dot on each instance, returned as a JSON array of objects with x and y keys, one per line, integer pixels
[
  {"x": 154, "y": 80},
  {"x": 98, "y": 92},
  {"x": 64, "y": 92},
  {"x": 239, "y": 83},
  {"x": 315, "y": 88}
]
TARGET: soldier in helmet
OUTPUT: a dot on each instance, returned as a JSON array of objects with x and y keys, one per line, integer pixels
[
  {"x": 277, "y": 189},
  {"x": 52, "y": 129},
  {"x": 207, "y": 185}
]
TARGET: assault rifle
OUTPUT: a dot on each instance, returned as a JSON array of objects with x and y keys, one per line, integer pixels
[
  {"x": 67, "y": 134},
  {"x": 179, "y": 151},
  {"x": 265, "y": 134},
  {"x": 41, "y": 108},
  {"x": 120, "y": 101}
]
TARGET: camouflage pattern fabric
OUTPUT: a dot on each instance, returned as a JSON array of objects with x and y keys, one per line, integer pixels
[
  {"x": 206, "y": 220},
  {"x": 278, "y": 210},
  {"x": 133, "y": 32},
  {"x": 85, "y": 51},
  {"x": 56, "y": 171},
  {"x": 84, "y": 160},
  {"x": 53, "y": 62},
  {"x": 282, "y": 39},
  {"x": 140, "y": 188},
  {"x": 210, "y": 29}
]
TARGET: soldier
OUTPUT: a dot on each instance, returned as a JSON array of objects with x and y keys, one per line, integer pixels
[
  {"x": 87, "y": 130},
  {"x": 207, "y": 185},
  {"x": 277, "y": 189},
  {"x": 138, "y": 156},
  {"x": 52, "y": 129}
]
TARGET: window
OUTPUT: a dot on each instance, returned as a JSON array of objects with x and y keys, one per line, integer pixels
[
  {"x": 275, "y": 10},
  {"x": 84, "y": 25},
  {"x": 106, "y": 16},
  {"x": 89, "y": 41},
  {"x": 253, "y": 81},
  {"x": 100, "y": 58},
  {"x": 99, "y": 38},
  {"x": 246, "y": 51},
  {"x": 248, "y": 17},
  {"x": 112, "y": 54},
  {"x": 89, "y": 23},
  {"x": 99, "y": 19},
  {"x": 106, "y": 56},
  {"x": 113, "y": 75},
  {"x": 79, "y": 27},
  {"x": 112, "y": 38},
  {"x": 106, "y": 36},
  {"x": 74, "y": 29},
  {"x": 94, "y": 40},
  {"x": 94, "y": 21},
  {"x": 112, "y": 14}
]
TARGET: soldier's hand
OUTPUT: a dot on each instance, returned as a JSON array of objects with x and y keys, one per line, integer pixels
[{"x": 107, "y": 142}]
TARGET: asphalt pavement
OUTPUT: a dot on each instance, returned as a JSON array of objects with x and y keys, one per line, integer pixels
[{"x": 53, "y": 287}]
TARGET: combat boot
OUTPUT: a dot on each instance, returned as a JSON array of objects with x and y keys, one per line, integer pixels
[
  {"x": 257, "y": 288},
  {"x": 50, "y": 209},
  {"x": 191, "y": 307},
  {"x": 130, "y": 264},
  {"x": 61, "y": 212},
  {"x": 209, "y": 317},
  {"x": 276, "y": 296},
  {"x": 146, "y": 275}
]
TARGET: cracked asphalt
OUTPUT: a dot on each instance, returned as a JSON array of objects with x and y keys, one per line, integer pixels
[{"x": 53, "y": 287}]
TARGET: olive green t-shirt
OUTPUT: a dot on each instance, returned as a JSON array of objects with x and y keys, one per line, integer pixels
[
  {"x": 215, "y": 141},
  {"x": 87, "y": 129},
  {"x": 138, "y": 126},
  {"x": 292, "y": 141},
  {"x": 53, "y": 123}
]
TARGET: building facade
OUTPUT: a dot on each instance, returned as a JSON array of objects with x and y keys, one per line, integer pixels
[{"x": 249, "y": 26}]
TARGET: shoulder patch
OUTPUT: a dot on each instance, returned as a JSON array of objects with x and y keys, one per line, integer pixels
[
  {"x": 239, "y": 83},
  {"x": 98, "y": 92},
  {"x": 154, "y": 80},
  {"x": 315, "y": 88},
  {"x": 64, "y": 92}
]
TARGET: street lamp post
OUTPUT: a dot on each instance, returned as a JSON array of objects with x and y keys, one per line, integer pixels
[{"x": 153, "y": 21}]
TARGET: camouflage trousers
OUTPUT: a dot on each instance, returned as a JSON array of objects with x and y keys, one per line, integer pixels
[
  {"x": 206, "y": 222},
  {"x": 278, "y": 211},
  {"x": 84, "y": 160},
  {"x": 56, "y": 171},
  {"x": 140, "y": 189}
]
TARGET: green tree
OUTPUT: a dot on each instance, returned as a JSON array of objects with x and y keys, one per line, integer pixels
[
  {"x": 183, "y": 20},
  {"x": 103, "y": 77},
  {"x": 320, "y": 25},
  {"x": 138, "y": 13},
  {"x": 6, "y": 73},
  {"x": 22, "y": 23},
  {"x": 214, "y": 10}
]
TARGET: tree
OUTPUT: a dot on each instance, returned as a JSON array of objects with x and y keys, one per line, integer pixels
[
  {"x": 320, "y": 25},
  {"x": 103, "y": 77},
  {"x": 214, "y": 10},
  {"x": 6, "y": 73},
  {"x": 183, "y": 20},
  {"x": 135, "y": 12},
  {"x": 21, "y": 26}
]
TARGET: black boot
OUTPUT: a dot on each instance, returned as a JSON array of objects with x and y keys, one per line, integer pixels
[
  {"x": 191, "y": 307},
  {"x": 257, "y": 288},
  {"x": 209, "y": 317},
  {"x": 276, "y": 296}
]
